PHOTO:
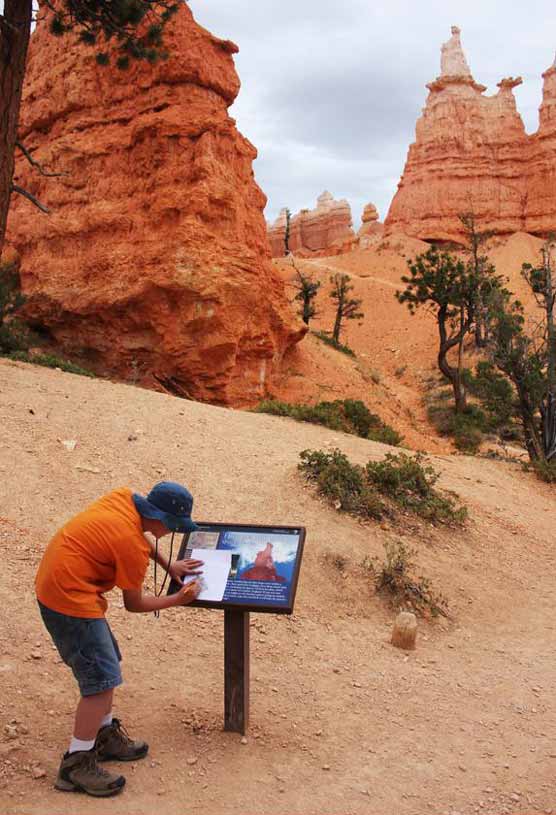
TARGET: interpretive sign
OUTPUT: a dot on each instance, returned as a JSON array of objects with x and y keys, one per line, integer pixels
[
  {"x": 249, "y": 568},
  {"x": 245, "y": 568}
]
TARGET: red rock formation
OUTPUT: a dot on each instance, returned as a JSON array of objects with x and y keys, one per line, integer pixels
[
  {"x": 154, "y": 262},
  {"x": 540, "y": 209},
  {"x": 472, "y": 152},
  {"x": 369, "y": 222},
  {"x": 277, "y": 234},
  {"x": 324, "y": 230}
]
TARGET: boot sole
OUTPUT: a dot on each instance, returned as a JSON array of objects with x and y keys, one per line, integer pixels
[
  {"x": 69, "y": 786},
  {"x": 122, "y": 758}
]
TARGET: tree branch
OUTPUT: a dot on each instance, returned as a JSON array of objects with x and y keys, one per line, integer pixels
[
  {"x": 35, "y": 163},
  {"x": 31, "y": 198}
]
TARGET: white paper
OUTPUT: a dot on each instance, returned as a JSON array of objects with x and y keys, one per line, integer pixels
[{"x": 215, "y": 570}]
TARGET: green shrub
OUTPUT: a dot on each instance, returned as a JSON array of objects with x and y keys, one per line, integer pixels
[
  {"x": 381, "y": 488},
  {"x": 345, "y": 349},
  {"x": 544, "y": 470},
  {"x": 495, "y": 414},
  {"x": 395, "y": 577},
  {"x": 342, "y": 483},
  {"x": 409, "y": 482},
  {"x": 13, "y": 334},
  {"x": 50, "y": 361},
  {"x": 467, "y": 428},
  {"x": 14, "y": 338},
  {"x": 348, "y": 415},
  {"x": 494, "y": 391}
]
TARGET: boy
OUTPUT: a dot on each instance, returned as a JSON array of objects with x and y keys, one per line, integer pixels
[{"x": 102, "y": 547}]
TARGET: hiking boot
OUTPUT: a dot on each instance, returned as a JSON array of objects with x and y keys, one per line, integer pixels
[
  {"x": 114, "y": 744},
  {"x": 79, "y": 772}
]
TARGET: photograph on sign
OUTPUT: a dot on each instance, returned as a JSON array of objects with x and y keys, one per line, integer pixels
[{"x": 247, "y": 566}]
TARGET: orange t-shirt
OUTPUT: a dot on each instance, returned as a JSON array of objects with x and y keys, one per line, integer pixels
[{"x": 98, "y": 549}]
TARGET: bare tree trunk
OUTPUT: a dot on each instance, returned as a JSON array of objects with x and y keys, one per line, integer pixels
[
  {"x": 453, "y": 375},
  {"x": 338, "y": 321},
  {"x": 15, "y": 28},
  {"x": 533, "y": 439},
  {"x": 548, "y": 405}
]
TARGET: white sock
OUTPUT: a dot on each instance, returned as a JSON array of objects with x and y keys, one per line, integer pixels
[
  {"x": 107, "y": 720},
  {"x": 80, "y": 744}
]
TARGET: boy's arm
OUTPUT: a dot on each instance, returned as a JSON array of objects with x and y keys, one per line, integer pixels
[
  {"x": 177, "y": 569},
  {"x": 136, "y": 601}
]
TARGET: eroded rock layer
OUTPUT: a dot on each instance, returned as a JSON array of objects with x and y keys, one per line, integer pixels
[
  {"x": 154, "y": 263},
  {"x": 327, "y": 229},
  {"x": 471, "y": 152}
]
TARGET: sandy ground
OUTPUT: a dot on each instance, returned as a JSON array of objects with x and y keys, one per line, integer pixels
[{"x": 341, "y": 722}]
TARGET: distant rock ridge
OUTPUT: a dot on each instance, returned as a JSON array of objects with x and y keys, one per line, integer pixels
[
  {"x": 154, "y": 264},
  {"x": 325, "y": 229},
  {"x": 471, "y": 152}
]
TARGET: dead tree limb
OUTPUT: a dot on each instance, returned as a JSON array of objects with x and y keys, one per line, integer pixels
[
  {"x": 31, "y": 198},
  {"x": 34, "y": 163}
]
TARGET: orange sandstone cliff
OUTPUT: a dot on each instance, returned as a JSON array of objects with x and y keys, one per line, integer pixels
[
  {"x": 154, "y": 264},
  {"x": 540, "y": 209},
  {"x": 471, "y": 152},
  {"x": 327, "y": 229}
]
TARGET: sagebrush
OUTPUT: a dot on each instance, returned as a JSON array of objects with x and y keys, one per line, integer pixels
[
  {"x": 398, "y": 482},
  {"x": 348, "y": 415}
]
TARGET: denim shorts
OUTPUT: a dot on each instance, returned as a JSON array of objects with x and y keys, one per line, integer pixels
[{"x": 88, "y": 646}]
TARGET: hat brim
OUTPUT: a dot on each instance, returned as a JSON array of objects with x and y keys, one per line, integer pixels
[{"x": 175, "y": 523}]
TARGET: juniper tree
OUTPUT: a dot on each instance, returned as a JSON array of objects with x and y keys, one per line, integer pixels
[
  {"x": 119, "y": 30},
  {"x": 543, "y": 285},
  {"x": 346, "y": 306},
  {"x": 520, "y": 357}
]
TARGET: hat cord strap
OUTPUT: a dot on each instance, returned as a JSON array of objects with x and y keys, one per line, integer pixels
[{"x": 158, "y": 593}]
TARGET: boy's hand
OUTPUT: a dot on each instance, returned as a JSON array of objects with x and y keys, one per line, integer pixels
[
  {"x": 188, "y": 593},
  {"x": 180, "y": 568}
]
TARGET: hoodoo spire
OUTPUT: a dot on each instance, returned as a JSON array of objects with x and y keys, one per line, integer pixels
[{"x": 452, "y": 58}]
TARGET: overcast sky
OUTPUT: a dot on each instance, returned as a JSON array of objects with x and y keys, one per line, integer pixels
[{"x": 331, "y": 90}]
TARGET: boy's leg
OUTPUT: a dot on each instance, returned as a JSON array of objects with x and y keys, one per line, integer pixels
[
  {"x": 90, "y": 714},
  {"x": 88, "y": 647}
]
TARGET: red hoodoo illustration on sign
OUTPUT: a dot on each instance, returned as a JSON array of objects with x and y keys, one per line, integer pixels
[{"x": 264, "y": 568}]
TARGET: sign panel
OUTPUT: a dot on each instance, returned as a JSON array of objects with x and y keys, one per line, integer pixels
[{"x": 252, "y": 568}]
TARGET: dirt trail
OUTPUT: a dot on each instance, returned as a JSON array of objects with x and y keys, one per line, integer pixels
[
  {"x": 341, "y": 722},
  {"x": 334, "y": 270}
]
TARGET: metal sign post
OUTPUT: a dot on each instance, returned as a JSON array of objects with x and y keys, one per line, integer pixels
[{"x": 236, "y": 670}]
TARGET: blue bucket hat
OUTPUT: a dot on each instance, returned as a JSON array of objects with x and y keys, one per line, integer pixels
[{"x": 170, "y": 503}]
